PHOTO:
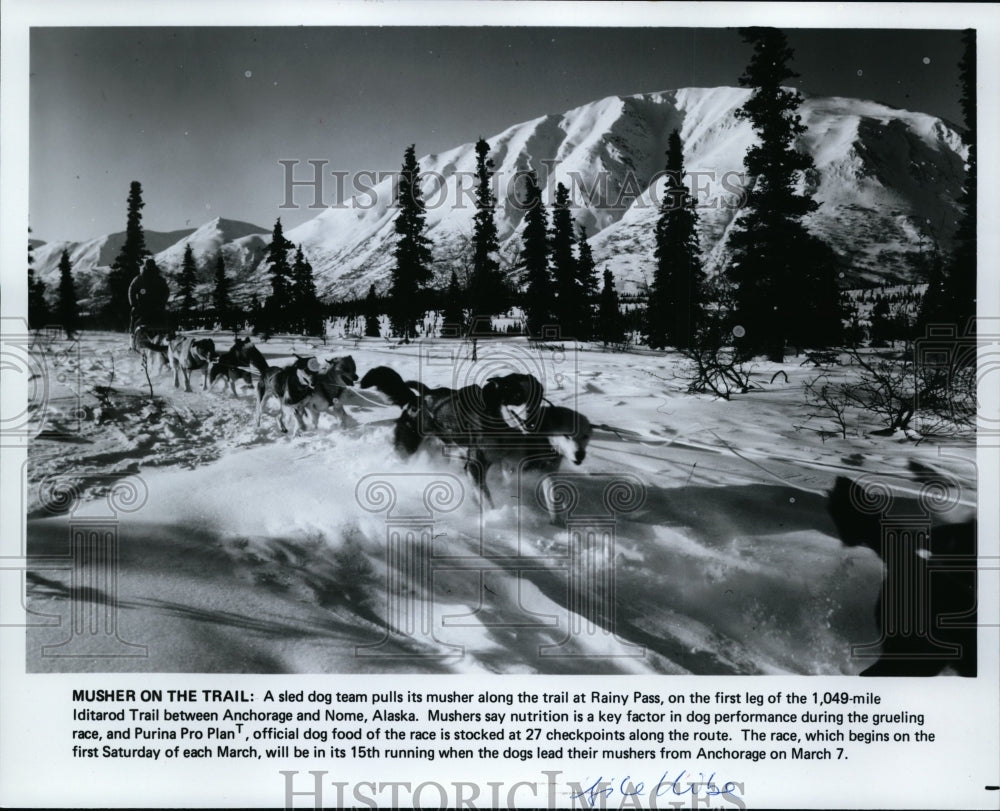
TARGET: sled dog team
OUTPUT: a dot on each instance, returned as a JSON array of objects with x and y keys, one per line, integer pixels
[{"x": 507, "y": 421}]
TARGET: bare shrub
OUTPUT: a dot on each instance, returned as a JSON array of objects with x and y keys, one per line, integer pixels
[
  {"x": 716, "y": 368},
  {"x": 921, "y": 400},
  {"x": 828, "y": 400}
]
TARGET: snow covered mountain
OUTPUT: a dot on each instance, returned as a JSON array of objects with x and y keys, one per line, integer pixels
[
  {"x": 887, "y": 181},
  {"x": 242, "y": 244}
]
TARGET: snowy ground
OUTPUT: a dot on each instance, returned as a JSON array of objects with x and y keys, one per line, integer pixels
[{"x": 244, "y": 550}]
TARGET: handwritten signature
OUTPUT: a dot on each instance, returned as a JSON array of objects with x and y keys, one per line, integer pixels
[{"x": 676, "y": 787}]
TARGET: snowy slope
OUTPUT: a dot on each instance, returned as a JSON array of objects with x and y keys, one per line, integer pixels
[
  {"x": 246, "y": 550},
  {"x": 242, "y": 245},
  {"x": 91, "y": 259},
  {"x": 207, "y": 240},
  {"x": 886, "y": 180}
]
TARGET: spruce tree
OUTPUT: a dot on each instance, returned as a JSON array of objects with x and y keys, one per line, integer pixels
[
  {"x": 586, "y": 275},
  {"x": 487, "y": 294},
  {"x": 38, "y": 308},
  {"x": 569, "y": 295},
  {"x": 220, "y": 295},
  {"x": 256, "y": 315},
  {"x": 960, "y": 277},
  {"x": 675, "y": 307},
  {"x": 535, "y": 260},
  {"x": 185, "y": 287},
  {"x": 880, "y": 324},
  {"x": 412, "y": 253},
  {"x": 610, "y": 328},
  {"x": 784, "y": 276},
  {"x": 128, "y": 263},
  {"x": 934, "y": 303},
  {"x": 371, "y": 314},
  {"x": 308, "y": 311},
  {"x": 67, "y": 309},
  {"x": 277, "y": 313},
  {"x": 453, "y": 316}
]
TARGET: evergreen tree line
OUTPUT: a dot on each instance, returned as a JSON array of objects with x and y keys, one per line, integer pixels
[
  {"x": 556, "y": 269},
  {"x": 292, "y": 306},
  {"x": 779, "y": 290}
]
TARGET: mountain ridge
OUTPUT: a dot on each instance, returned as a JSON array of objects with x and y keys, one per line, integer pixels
[{"x": 887, "y": 181}]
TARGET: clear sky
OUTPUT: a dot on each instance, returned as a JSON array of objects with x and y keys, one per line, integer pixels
[{"x": 201, "y": 116}]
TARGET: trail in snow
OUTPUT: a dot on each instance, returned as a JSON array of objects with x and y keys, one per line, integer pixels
[{"x": 699, "y": 541}]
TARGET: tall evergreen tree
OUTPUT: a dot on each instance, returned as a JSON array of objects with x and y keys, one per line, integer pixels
[
  {"x": 371, "y": 314},
  {"x": 256, "y": 315},
  {"x": 960, "y": 277},
  {"x": 307, "y": 308},
  {"x": 412, "y": 254},
  {"x": 535, "y": 260},
  {"x": 880, "y": 323},
  {"x": 38, "y": 308},
  {"x": 67, "y": 309},
  {"x": 569, "y": 294},
  {"x": 128, "y": 263},
  {"x": 784, "y": 276},
  {"x": 586, "y": 276},
  {"x": 934, "y": 305},
  {"x": 185, "y": 287},
  {"x": 675, "y": 307},
  {"x": 487, "y": 293},
  {"x": 277, "y": 309},
  {"x": 453, "y": 316},
  {"x": 220, "y": 295},
  {"x": 610, "y": 327}
]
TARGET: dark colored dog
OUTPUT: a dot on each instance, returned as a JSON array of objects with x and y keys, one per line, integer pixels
[
  {"x": 544, "y": 433},
  {"x": 235, "y": 364},
  {"x": 289, "y": 385},
  {"x": 187, "y": 354},
  {"x": 467, "y": 418},
  {"x": 504, "y": 419},
  {"x": 553, "y": 434},
  {"x": 926, "y": 609},
  {"x": 548, "y": 436}
]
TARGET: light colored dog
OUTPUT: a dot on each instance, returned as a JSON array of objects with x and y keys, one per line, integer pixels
[
  {"x": 186, "y": 354},
  {"x": 290, "y": 386},
  {"x": 151, "y": 344},
  {"x": 329, "y": 387}
]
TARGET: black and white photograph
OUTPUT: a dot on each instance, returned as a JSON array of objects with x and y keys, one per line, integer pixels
[{"x": 371, "y": 346}]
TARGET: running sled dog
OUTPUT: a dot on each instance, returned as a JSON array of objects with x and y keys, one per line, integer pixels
[
  {"x": 328, "y": 390},
  {"x": 151, "y": 343},
  {"x": 307, "y": 385},
  {"x": 505, "y": 420},
  {"x": 234, "y": 365},
  {"x": 186, "y": 354}
]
